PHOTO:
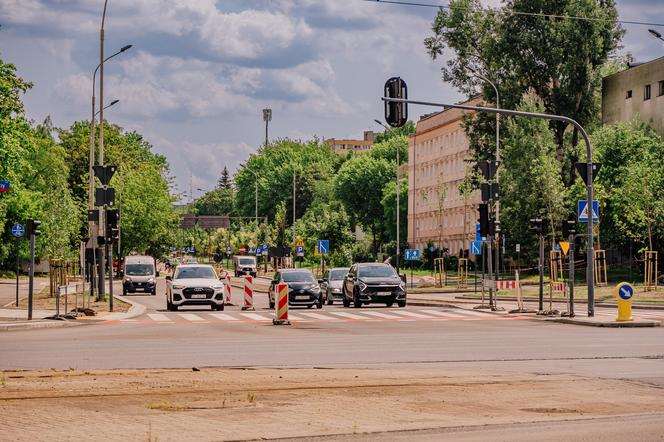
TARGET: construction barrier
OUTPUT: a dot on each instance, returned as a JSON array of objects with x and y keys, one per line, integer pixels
[
  {"x": 601, "y": 279},
  {"x": 439, "y": 271},
  {"x": 227, "y": 288},
  {"x": 650, "y": 278},
  {"x": 462, "y": 273},
  {"x": 281, "y": 302},
  {"x": 248, "y": 293},
  {"x": 506, "y": 285}
]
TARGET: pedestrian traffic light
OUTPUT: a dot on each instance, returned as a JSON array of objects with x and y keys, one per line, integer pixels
[
  {"x": 484, "y": 219},
  {"x": 112, "y": 222},
  {"x": 396, "y": 114},
  {"x": 537, "y": 225},
  {"x": 32, "y": 227},
  {"x": 569, "y": 226}
]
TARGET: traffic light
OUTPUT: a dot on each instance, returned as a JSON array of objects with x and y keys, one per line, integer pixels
[
  {"x": 32, "y": 227},
  {"x": 484, "y": 219},
  {"x": 112, "y": 221},
  {"x": 569, "y": 226},
  {"x": 537, "y": 224},
  {"x": 396, "y": 114}
]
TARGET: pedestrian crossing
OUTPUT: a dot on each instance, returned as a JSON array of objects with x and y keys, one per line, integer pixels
[
  {"x": 359, "y": 315},
  {"x": 328, "y": 316}
]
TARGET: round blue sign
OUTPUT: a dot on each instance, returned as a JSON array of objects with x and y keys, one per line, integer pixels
[
  {"x": 18, "y": 230},
  {"x": 626, "y": 292}
]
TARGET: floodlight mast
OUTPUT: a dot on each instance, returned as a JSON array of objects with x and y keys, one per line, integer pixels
[{"x": 590, "y": 258}]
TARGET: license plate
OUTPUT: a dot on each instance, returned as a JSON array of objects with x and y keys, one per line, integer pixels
[
  {"x": 384, "y": 293},
  {"x": 198, "y": 296},
  {"x": 302, "y": 298}
]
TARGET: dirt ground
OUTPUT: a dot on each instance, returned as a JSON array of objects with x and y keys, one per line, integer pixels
[{"x": 241, "y": 404}]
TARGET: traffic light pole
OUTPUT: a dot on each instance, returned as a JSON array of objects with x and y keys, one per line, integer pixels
[
  {"x": 18, "y": 266},
  {"x": 571, "y": 275},
  {"x": 489, "y": 259},
  {"x": 31, "y": 274},
  {"x": 590, "y": 255},
  {"x": 540, "y": 266},
  {"x": 110, "y": 276}
]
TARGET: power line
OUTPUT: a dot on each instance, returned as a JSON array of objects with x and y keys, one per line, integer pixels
[{"x": 530, "y": 14}]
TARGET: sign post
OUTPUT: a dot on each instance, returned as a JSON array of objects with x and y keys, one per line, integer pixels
[
  {"x": 412, "y": 255},
  {"x": 18, "y": 231},
  {"x": 624, "y": 294}
]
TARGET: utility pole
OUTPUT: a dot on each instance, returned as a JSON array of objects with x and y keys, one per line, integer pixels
[
  {"x": 101, "y": 291},
  {"x": 32, "y": 231}
]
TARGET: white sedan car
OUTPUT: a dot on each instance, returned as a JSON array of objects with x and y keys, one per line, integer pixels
[{"x": 194, "y": 284}]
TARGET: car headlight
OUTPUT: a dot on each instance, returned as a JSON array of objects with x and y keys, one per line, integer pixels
[
  {"x": 218, "y": 287},
  {"x": 151, "y": 280},
  {"x": 127, "y": 280},
  {"x": 402, "y": 286},
  {"x": 361, "y": 285},
  {"x": 178, "y": 286},
  {"x": 336, "y": 290}
]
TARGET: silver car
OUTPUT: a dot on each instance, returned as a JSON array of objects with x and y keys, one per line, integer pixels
[{"x": 333, "y": 283}]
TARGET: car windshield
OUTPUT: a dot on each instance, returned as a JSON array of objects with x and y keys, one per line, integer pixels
[
  {"x": 298, "y": 277},
  {"x": 195, "y": 272},
  {"x": 337, "y": 275},
  {"x": 247, "y": 262},
  {"x": 378, "y": 271},
  {"x": 139, "y": 269}
]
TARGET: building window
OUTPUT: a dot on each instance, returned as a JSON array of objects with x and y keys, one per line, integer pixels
[
  {"x": 661, "y": 88},
  {"x": 628, "y": 95},
  {"x": 646, "y": 92}
]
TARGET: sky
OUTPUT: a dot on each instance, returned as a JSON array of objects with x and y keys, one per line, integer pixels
[{"x": 201, "y": 71}]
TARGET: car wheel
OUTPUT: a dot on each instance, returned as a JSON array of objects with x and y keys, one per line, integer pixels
[
  {"x": 330, "y": 299},
  {"x": 356, "y": 300},
  {"x": 319, "y": 305},
  {"x": 154, "y": 292},
  {"x": 124, "y": 292},
  {"x": 401, "y": 303},
  {"x": 310, "y": 305},
  {"x": 168, "y": 305},
  {"x": 389, "y": 303}
]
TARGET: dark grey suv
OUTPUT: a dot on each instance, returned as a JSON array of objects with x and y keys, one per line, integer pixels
[{"x": 368, "y": 283}]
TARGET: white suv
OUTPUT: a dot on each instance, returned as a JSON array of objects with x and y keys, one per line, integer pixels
[{"x": 194, "y": 284}]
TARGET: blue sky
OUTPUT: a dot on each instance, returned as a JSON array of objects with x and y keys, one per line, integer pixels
[{"x": 201, "y": 71}]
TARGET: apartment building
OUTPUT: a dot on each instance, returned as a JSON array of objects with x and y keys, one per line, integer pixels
[
  {"x": 636, "y": 90},
  {"x": 343, "y": 147},
  {"x": 437, "y": 165}
]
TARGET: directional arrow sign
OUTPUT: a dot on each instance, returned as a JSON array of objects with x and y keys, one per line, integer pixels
[
  {"x": 476, "y": 247},
  {"x": 412, "y": 254},
  {"x": 322, "y": 247},
  {"x": 18, "y": 230}
]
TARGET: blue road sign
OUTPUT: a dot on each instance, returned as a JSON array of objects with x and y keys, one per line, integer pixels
[
  {"x": 478, "y": 235},
  {"x": 626, "y": 292},
  {"x": 229, "y": 250},
  {"x": 4, "y": 186},
  {"x": 323, "y": 246},
  {"x": 412, "y": 254},
  {"x": 582, "y": 211},
  {"x": 432, "y": 248},
  {"x": 476, "y": 247},
  {"x": 18, "y": 230},
  {"x": 556, "y": 247},
  {"x": 252, "y": 251},
  {"x": 300, "y": 249}
]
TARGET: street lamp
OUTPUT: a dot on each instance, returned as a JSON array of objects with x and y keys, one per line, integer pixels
[
  {"x": 398, "y": 224},
  {"x": 107, "y": 106},
  {"x": 656, "y": 34}
]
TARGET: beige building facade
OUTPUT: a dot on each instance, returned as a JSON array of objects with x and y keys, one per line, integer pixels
[
  {"x": 343, "y": 147},
  {"x": 637, "y": 90},
  {"x": 437, "y": 164}
]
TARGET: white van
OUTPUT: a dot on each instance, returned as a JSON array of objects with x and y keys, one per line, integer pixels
[
  {"x": 245, "y": 265},
  {"x": 139, "y": 275}
]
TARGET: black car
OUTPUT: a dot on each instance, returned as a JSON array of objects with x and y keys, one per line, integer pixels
[
  {"x": 303, "y": 288},
  {"x": 368, "y": 283}
]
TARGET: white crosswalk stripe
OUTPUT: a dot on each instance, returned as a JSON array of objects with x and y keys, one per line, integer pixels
[
  {"x": 191, "y": 317},
  {"x": 159, "y": 317},
  {"x": 381, "y": 315},
  {"x": 255, "y": 317},
  {"x": 320, "y": 316},
  {"x": 224, "y": 317},
  {"x": 470, "y": 313},
  {"x": 412, "y": 314},
  {"x": 296, "y": 318},
  {"x": 349, "y": 315},
  {"x": 443, "y": 314}
]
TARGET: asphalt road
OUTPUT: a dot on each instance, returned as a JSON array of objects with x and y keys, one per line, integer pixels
[{"x": 477, "y": 342}]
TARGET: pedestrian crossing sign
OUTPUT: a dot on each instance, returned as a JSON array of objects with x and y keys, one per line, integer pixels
[{"x": 582, "y": 211}]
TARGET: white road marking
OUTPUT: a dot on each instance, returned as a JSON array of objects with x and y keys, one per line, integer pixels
[
  {"x": 349, "y": 315},
  {"x": 472, "y": 313},
  {"x": 224, "y": 317},
  {"x": 255, "y": 317},
  {"x": 191, "y": 317},
  {"x": 411, "y": 314},
  {"x": 319, "y": 316},
  {"x": 159, "y": 317},
  {"x": 443, "y": 314},
  {"x": 295, "y": 317},
  {"x": 380, "y": 315}
]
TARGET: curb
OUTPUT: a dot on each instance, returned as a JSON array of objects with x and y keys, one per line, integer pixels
[
  {"x": 135, "y": 310},
  {"x": 38, "y": 324},
  {"x": 608, "y": 324}
]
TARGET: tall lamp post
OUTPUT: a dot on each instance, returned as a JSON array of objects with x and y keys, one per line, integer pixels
[
  {"x": 482, "y": 77},
  {"x": 267, "y": 117},
  {"x": 398, "y": 214},
  {"x": 656, "y": 34}
]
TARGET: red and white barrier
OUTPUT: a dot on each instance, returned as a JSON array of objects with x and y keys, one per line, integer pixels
[
  {"x": 281, "y": 302},
  {"x": 228, "y": 289},
  {"x": 248, "y": 293},
  {"x": 506, "y": 285},
  {"x": 558, "y": 286}
]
